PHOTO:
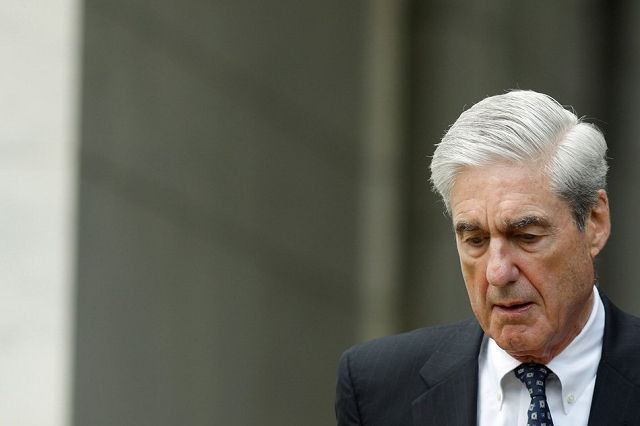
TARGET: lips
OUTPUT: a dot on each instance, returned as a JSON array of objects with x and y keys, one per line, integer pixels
[
  {"x": 513, "y": 307},
  {"x": 512, "y": 304}
]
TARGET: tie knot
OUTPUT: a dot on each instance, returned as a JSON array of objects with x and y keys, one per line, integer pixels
[{"x": 533, "y": 377}]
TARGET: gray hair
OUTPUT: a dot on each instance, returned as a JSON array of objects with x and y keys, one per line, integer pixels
[{"x": 529, "y": 128}]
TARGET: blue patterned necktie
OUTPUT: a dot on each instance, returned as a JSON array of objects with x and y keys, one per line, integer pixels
[{"x": 533, "y": 377}]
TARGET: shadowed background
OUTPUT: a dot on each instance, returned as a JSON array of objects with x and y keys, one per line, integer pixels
[{"x": 253, "y": 186}]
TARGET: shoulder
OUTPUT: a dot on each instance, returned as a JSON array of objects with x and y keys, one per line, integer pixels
[
  {"x": 408, "y": 350},
  {"x": 379, "y": 379}
]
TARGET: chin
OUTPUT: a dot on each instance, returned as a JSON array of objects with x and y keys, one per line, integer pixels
[{"x": 517, "y": 344}]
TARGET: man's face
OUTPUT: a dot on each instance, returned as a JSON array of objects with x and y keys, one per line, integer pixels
[{"x": 527, "y": 267}]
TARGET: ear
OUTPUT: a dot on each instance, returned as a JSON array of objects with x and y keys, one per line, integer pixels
[{"x": 598, "y": 225}]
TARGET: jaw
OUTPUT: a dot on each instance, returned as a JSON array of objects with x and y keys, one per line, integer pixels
[
  {"x": 522, "y": 335},
  {"x": 536, "y": 342}
]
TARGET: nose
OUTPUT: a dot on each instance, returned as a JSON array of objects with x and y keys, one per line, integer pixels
[{"x": 501, "y": 268}]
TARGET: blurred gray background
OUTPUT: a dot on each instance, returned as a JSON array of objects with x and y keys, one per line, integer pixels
[{"x": 253, "y": 186}]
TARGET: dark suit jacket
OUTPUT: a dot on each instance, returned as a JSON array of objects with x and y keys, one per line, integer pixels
[{"x": 430, "y": 377}]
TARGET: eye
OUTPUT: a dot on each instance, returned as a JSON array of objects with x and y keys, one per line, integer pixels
[
  {"x": 476, "y": 240},
  {"x": 528, "y": 237}
]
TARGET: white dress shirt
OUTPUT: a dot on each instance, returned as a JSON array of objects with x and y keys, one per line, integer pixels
[{"x": 503, "y": 400}]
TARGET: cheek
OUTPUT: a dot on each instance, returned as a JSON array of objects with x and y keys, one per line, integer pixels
[
  {"x": 473, "y": 272},
  {"x": 475, "y": 282},
  {"x": 558, "y": 285}
]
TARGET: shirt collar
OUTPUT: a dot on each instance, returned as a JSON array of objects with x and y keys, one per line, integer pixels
[{"x": 574, "y": 376}]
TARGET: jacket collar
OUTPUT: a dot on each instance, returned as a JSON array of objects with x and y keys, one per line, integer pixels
[{"x": 451, "y": 374}]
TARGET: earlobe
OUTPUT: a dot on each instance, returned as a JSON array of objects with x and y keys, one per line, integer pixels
[{"x": 599, "y": 224}]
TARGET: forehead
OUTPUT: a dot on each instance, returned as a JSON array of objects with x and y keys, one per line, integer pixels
[{"x": 505, "y": 194}]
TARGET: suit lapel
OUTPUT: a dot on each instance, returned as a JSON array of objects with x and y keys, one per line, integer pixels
[
  {"x": 452, "y": 377},
  {"x": 616, "y": 397}
]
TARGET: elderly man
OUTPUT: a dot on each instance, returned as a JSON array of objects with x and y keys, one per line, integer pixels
[{"x": 523, "y": 180}]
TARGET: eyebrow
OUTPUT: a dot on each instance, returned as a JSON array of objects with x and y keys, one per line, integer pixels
[
  {"x": 467, "y": 227},
  {"x": 526, "y": 221},
  {"x": 509, "y": 225}
]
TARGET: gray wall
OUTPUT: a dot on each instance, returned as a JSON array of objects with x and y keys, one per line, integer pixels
[
  {"x": 217, "y": 211},
  {"x": 254, "y": 196}
]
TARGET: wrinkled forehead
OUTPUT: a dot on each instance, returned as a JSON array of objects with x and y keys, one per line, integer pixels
[
  {"x": 535, "y": 170},
  {"x": 504, "y": 194}
]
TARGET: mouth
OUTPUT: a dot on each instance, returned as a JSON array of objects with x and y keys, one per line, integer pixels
[{"x": 514, "y": 307}]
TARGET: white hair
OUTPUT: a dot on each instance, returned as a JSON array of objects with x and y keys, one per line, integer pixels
[{"x": 528, "y": 128}]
